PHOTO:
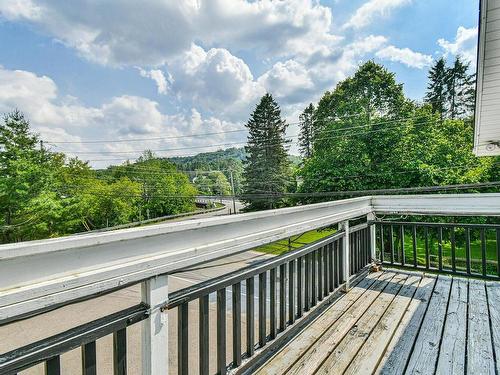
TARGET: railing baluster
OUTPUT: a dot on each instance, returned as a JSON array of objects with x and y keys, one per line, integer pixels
[
  {"x": 250, "y": 316},
  {"x": 272, "y": 296},
  {"x": 300, "y": 287},
  {"x": 204, "y": 335},
  {"x": 291, "y": 292},
  {"x": 414, "y": 245},
  {"x": 391, "y": 235},
  {"x": 320, "y": 274},
  {"x": 467, "y": 251},
  {"x": 440, "y": 249},
  {"x": 236, "y": 289},
  {"x": 326, "y": 268},
  {"x": 308, "y": 282},
  {"x": 120, "y": 352},
  {"x": 53, "y": 366},
  {"x": 89, "y": 359},
  {"x": 262, "y": 308},
  {"x": 352, "y": 249},
  {"x": 314, "y": 285},
  {"x": 453, "y": 250},
  {"x": 426, "y": 235},
  {"x": 382, "y": 245},
  {"x": 282, "y": 325},
  {"x": 331, "y": 267},
  {"x": 402, "y": 235},
  {"x": 498, "y": 252},
  {"x": 183, "y": 339},
  {"x": 483, "y": 250},
  {"x": 221, "y": 331}
]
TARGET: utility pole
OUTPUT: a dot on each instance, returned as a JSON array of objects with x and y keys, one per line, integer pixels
[{"x": 232, "y": 189}]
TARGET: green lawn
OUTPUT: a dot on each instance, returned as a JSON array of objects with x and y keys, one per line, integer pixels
[
  {"x": 294, "y": 242},
  {"x": 460, "y": 251}
]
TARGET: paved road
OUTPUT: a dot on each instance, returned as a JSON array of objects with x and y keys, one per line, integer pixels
[{"x": 21, "y": 333}]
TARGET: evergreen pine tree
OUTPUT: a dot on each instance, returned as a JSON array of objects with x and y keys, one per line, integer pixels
[
  {"x": 306, "y": 131},
  {"x": 267, "y": 166},
  {"x": 436, "y": 90},
  {"x": 460, "y": 89}
]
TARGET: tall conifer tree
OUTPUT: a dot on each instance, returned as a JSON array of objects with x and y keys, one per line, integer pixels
[
  {"x": 306, "y": 135},
  {"x": 267, "y": 166},
  {"x": 437, "y": 88}
]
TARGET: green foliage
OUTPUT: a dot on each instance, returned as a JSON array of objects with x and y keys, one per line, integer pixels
[
  {"x": 267, "y": 168},
  {"x": 306, "y": 136},
  {"x": 44, "y": 195},
  {"x": 451, "y": 90},
  {"x": 372, "y": 137},
  {"x": 227, "y": 161}
]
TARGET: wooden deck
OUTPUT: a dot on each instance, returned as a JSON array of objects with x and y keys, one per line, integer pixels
[{"x": 393, "y": 323}]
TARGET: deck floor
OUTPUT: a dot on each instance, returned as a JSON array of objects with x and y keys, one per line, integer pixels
[{"x": 393, "y": 323}]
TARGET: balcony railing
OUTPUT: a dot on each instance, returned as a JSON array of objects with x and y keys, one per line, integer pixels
[
  {"x": 288, "y": 289},
  {"x": 454, "y": 248}
]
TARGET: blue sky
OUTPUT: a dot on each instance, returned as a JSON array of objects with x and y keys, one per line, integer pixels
[{"x": 129, "y": 70}]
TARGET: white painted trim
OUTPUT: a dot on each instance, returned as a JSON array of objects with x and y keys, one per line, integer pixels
[{"x": 155, "y": 328}]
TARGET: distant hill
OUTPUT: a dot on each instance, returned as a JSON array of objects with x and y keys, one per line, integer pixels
[{"x": 227, "y": 160}]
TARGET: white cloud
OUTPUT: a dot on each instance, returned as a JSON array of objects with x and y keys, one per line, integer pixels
[
  {"x": 150, "y": 32},
  {"x": 19, "y": 9},
  {"x": 159, "y": 78},
  {"x": 290, "y": 81},
  {"x": 465, "y": 44},
  {"x": 215, "y": 80},
  {"x": 58, "y": 119},
  {"x": 405, "y": 56},
  {"x": 372, "y": 10}
]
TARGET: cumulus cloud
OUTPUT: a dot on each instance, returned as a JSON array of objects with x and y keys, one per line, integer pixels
[
  {"x": 159, "y": 78},
  {"x": 405, "y": 56},
  {"x": 216, "y": 80},
  {"x": 19, "y": 9},
  {"x": 372, "y": 10},
  {"x": 465, "y": 44},
  {"x": 150, "y": 32},
  {"x": 129, "y": 117}
]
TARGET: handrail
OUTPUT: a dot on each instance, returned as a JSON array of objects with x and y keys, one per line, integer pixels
[
  {"x": 193, "y": 292},
  {"x": 46, "y": 349},
  {"x": 59, "y": 271}
]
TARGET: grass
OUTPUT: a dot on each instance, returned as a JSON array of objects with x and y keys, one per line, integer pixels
[
  {"x": 460, "y": 250},
  {"x": 294, "y": 242}
]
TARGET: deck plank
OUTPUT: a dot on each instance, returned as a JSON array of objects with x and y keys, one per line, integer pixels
[
  {"x": 332, "y": 335},
  {"x": 340, "y": 356},
  {"x": 493, "y": 290},
  {"x": 295, "y": 348},
  {"x": 452, "y": 351},
  {"x": 479, "y": 346},
  {"x": 426, "y": 349},
  {"x": 367, "y": 358},
  {"x": 398, "y": 351}
]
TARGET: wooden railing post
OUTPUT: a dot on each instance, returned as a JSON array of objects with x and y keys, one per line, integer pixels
[
  {"x": 155, "y": 327},
  {"x": 345, "y": 254},
  {"x": 371, "y": 218}
]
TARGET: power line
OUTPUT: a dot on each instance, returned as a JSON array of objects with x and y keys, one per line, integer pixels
[
  {"x": 273, "y": 195},
  {"x": 236, "y": 143}
]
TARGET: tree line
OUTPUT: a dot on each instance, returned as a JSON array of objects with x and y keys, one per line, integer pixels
[
  {"x": 45, "y": 194},
  {"x": 366, "y": 134}
]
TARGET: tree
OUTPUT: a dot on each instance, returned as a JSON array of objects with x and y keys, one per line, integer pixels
[
  {"x": 461, "y": 91},
  {"x": 267, "y": 166},
  {"x": 306, "y": 135},
  {"x": 436, "y": 94},
  {"x": 362, "y": 120}
]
